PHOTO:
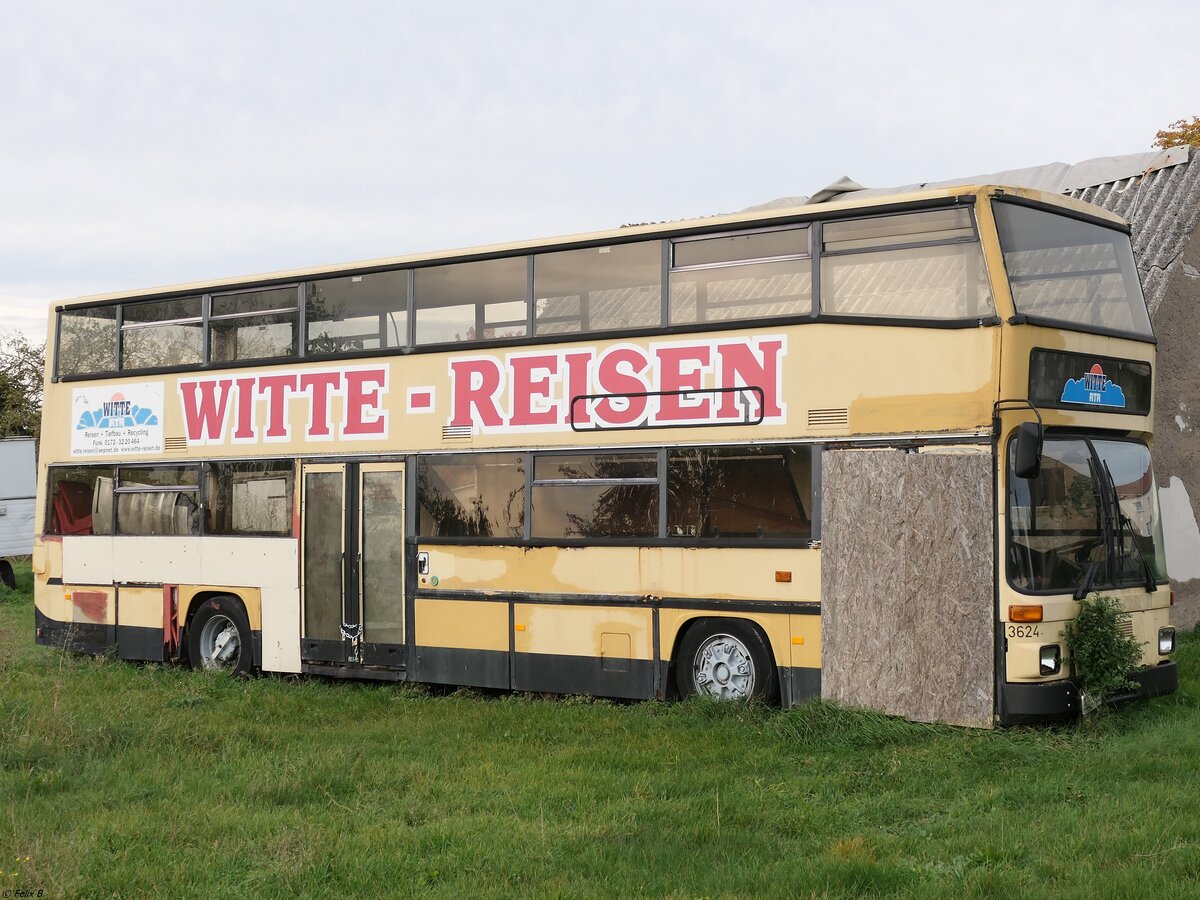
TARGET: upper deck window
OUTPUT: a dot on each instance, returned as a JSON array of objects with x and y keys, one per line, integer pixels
[
  {"x": 253, "y": 324},
  {"x": 753, "y": 275},
  {"x": 925, "y": 265},
  {"x": 1070, "y": 271},
  {"x": 914, "y": 267},
  {"x": 359, "y": 312},
  {"x": 472, "y": 301},
  {"x": 87, "y": 341},
  {"x": 162, "y": 333},
  {"x": 598, "y": 288}
]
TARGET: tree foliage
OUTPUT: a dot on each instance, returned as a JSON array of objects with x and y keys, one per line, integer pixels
[
  {"x": 22, "y": 364},
  {"x": 1177, "y": 134}
]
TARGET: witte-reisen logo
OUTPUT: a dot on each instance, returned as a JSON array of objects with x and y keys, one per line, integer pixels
[
  {"x": 117, "y": 412},
  {"x": 120, "y": 420},
  {"x": 1093, "y": 388}
]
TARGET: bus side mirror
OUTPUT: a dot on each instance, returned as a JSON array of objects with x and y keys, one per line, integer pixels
[{"x": 1029, "y": 450}]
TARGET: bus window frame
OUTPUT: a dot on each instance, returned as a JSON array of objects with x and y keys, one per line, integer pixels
[
  {"x": 813, "y": 221},
  {"x": 1087, "y": 436},
  {"x": 1020, "y": 318},
  {"x": 123, "y": 327},
  {"x": 660, "y": 540},
  {"x": 199, "y": 488}
]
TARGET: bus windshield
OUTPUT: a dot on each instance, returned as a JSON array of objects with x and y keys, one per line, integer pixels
[
  {"x": 1089, "y": 519},
  {"x": 1070, "y": 271}
]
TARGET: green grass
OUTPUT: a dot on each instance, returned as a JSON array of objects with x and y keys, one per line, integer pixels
[{"x": 121, "y": 779}]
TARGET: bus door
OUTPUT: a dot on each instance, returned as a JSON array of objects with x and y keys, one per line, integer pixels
[{"x": 353, "y": 563}]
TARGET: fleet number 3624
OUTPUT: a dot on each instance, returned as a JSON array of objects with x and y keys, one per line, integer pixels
[{"x": 1023, "y": 631}]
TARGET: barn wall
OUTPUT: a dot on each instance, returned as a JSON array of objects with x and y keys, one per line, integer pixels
[
  {"x": 906, "y": 583},
  {"x": 1177, "y": 429}
]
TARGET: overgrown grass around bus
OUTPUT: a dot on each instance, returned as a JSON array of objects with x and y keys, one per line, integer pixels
[{"x": 121, "y": 779}]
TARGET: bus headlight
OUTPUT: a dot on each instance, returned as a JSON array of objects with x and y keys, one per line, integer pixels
[
  {"x": 1050, "y": 659},
  {"x": 1166, "y": 641}
]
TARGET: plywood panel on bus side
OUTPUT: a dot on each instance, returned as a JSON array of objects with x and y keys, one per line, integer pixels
[{"x": 907, "y": 591}]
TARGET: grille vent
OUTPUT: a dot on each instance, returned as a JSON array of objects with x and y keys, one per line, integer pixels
[
  {"x": 1126, "y": 626},
  {"x": 175, "y": 445},
  {"x": 828, "y": 418},
  {"x": 455, "y": 432}
]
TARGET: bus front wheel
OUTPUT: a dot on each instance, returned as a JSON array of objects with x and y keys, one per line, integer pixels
[
  {"x": 726, "y": 659},
  {"x": 220, "y": 638}
]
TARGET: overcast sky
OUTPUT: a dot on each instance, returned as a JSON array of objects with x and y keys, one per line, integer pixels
[{"x": 150, "y": 143}]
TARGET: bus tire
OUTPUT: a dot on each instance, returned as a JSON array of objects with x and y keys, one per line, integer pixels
[
  {"x": 219, "y": 637},
  {"x": 7, "y": 575},
  {"x": 726, "y": 659}
]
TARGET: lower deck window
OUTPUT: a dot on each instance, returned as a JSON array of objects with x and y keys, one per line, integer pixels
[
  {"x": 222, "y": 498},
  {"x": 249, "y": 497},
  {"x": 742, "y": 492},
  {"x": 72, "y": 497},
  {"x": 595, "y": 495},
  {"x": 476, "y": 496},
  {"x": 158, "y": 500}
]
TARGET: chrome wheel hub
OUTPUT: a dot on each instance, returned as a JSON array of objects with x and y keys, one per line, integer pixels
[{"x": 723, "y": 668}]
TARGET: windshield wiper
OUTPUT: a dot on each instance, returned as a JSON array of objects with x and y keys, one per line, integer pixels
[
  {"x": 1085, "y": 583},
  {"x": 1125, "y": 527}
]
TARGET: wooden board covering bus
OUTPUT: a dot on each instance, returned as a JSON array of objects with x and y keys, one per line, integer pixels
[{"x": 595, "y": 464}]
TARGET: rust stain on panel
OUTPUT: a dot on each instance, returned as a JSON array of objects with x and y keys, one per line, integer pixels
[{"x": 93, "y": 604}]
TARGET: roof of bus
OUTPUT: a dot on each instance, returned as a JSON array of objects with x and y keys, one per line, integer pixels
[{"x": 750, "y": 218}]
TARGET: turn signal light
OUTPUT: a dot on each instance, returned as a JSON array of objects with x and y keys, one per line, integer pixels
[{"x": 1025, "y": 613}]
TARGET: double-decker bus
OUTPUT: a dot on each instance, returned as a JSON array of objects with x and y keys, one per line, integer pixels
[{"x": 616, "y": 463}]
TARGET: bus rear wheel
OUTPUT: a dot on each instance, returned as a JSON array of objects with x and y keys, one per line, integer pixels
[
  {"x": 219, "y": 637},
  {"x": 726, "y": 659},
  {"x": 7, "y": 575}
]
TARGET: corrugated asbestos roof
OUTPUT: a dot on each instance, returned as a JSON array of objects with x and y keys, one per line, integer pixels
[
  {"x": 1162, "y": 208},
  {"x": 1158, "y": 193}
]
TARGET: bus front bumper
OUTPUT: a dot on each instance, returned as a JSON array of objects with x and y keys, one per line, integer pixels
[{"x": 1028, "y": 703}]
